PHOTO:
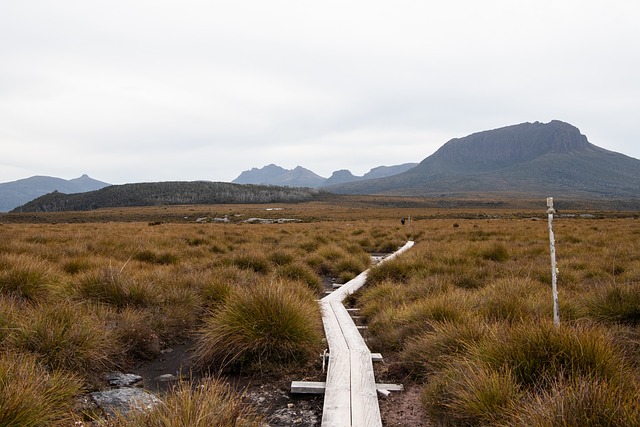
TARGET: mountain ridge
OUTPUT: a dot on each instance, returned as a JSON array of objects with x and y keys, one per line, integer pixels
[
  {"x": 533, "y": 158},
  {"x": 19, "y": 192},
  {"x": 273, "y": 174}
]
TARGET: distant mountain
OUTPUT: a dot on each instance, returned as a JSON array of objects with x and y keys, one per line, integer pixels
[
  {"x": 19, "y": 192},
  {"x": 532, "y": 159},
  {"x": 385, "y": 171},
  {"x": 167, "y": 193},
  {"x": 340, "y": 177},
  {"x": 276, "y": 175},
  {"x": 301, "y": 177}
]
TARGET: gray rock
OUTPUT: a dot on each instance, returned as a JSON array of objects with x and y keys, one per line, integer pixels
[
  {"x": 123, "y": 400},
  {"x": 119, "y": 379},
  {"x": 166, "y": 378}
]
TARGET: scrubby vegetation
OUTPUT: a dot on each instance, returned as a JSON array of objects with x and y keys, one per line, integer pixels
[
  {"x": 79, "y": 300},
  {"x": 469, "y": 312},
  {"x": 466, "y": 312}
]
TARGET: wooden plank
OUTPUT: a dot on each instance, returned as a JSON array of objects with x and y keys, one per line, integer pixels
[
  {"x": 365, "y": 410},
  {"x": 390, "y": 387},
  {"x": 350, "y": 389},
  {"x": 308, "y": 387},
  {"x": 318, "y": 387},
  {"x": 337, "y": 399},
  {"x": 375, "y": 357}
]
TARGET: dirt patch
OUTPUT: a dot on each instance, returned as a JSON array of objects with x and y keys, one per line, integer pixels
[{"x": 404, "y": 409}]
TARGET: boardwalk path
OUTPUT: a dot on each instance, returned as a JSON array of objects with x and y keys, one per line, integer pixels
[{"x": 350, "y": 391}]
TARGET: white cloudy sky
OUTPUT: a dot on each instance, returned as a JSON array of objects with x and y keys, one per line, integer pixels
[{"x": 155, "y": 90}]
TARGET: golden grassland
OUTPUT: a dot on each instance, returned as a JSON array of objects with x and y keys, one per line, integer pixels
[{"x": 467, "y": 311}]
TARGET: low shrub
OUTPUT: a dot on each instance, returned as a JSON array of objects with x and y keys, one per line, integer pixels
[
  {"x": 33, "y": 396},
  {"x": 263, "y": 325}
]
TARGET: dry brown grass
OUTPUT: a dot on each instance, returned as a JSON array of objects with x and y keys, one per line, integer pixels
[{"x": 141, "y": 279}]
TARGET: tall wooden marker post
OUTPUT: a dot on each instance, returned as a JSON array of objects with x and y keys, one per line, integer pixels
[{"x": 554, "y": 270}]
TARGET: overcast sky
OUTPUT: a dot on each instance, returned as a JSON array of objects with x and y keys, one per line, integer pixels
[{"x": 158, "y": 90}]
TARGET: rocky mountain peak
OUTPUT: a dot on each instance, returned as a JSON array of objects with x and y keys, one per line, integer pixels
[{"x": 514, "y": 144}]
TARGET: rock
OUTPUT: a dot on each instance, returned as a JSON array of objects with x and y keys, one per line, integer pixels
[
  {"x": 119, "y": 379},
  {"x": 166, "y": 378},
  {"x": 294, "y": 417},
  {"x": 124, "y": 400}
]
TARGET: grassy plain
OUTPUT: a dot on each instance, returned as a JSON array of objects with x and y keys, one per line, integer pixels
[{"x": 467, "y": 312}]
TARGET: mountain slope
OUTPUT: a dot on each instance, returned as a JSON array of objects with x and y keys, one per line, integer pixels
[
  {"x": 167, "y": 193},
  {"x": 533, "y": 159},
  {"x": 16, "y": 193}
]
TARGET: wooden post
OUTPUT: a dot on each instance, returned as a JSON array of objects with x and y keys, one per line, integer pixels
[{"x": 554, "y": 270}]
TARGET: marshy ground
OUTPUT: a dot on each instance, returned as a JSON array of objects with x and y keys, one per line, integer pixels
[{"x": 463, "y": 319}]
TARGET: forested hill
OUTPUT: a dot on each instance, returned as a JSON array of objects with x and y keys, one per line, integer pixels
[{"x": 167, "y": 193}]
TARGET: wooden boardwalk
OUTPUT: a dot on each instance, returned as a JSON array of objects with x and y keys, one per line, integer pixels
[{"x": 350, "y": 397}]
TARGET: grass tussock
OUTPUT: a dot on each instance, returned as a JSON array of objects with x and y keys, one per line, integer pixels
[
  {"x": 513, "y": 300},
  {"x": 33, "y": 396},
  {"x": 434, "y": 350},
  {"x": 472, "y": 394},
  {"x": 264, "y": 325},
  {"x": 66, "y": 336},
  {"x": 210, "y": 403},
  {"x": 26, "y": 278},
  {"x": 301, "y": 273},
  {"x": 580, "y": 402},
  {"x": 615, "y": 302},
  {"x": 117, "y": 288},
  {"x": 539, "y": 354}
]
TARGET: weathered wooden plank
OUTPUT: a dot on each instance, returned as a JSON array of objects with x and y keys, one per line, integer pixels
[
  {"x": 337, "y": 400},
  {"x": 364, "y": 399},
  {"x": 350, "y": 389},
  {"x": 318, "y": 387},
  {"x": 365, "y": 410},
  {"x": 375, "y": 357}
]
